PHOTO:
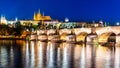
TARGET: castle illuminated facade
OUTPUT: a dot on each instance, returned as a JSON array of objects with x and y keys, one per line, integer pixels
[
  {"x": 37, "y": 17},
  {"x": 3, "y": 20},
  {"x": 40, "y": 17}
]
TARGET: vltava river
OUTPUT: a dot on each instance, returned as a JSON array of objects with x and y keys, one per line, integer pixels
[{"x": 30, "y": 54}]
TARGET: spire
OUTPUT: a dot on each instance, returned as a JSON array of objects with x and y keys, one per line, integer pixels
[
  {"x": 34, "y": 13},
  {"x": 39, "y": 12},
  {"x": 16, "y": 19},
  {"x": 3, "y": 20},
  {"x": 43, "y": 14},
  {"x": 34, "y": 17},
  {"x": 38, "y": 15}
]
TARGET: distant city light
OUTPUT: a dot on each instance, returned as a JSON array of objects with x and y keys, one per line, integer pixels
[
  {"x": 101, "y": 21},
  {"x": 66, "y": 20},
  {"x": 117, "y": 23},
  {"x": 16, "y": 19}
]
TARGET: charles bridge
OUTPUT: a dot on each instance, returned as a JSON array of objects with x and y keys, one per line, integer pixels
[
  {"x": 103, "y": 33},
  {"x": 98, "y": 34}
]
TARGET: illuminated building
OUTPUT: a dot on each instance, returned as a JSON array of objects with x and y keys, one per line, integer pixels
[
  {"x": 41, "y": 17},
  {"x": 66, "y": 20},
  {"x": 3, "y": 20}
]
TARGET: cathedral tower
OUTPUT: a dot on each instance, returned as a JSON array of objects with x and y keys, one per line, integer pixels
[
  {"x": 40, "y": 17},
  {"x": 35, "y": 16}
]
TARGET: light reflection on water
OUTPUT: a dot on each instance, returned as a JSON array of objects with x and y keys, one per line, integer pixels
[{"x": 31, "y": 54}]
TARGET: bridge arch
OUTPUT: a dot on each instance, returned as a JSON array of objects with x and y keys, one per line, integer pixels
[
  {"x": 81, "y": 37},
  {"x": 63, "y": 33},
  {"x": 107, "y": 37},
  {"x": 25, "y": 34},
  {"x": 63, "y": 36}
]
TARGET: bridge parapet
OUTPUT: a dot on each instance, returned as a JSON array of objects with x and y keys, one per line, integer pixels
[
  {"x": 99, "y": 31},
  {"x": 76, "y": 31},
  {"x": 64, "y": 31},
  {"x": 51, "y": 31},
  {"x": 80, "y": 30},
  {"x": 114, "y": 29}
]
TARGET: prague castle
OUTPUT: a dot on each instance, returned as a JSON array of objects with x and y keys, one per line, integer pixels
[
  {"x": 36, "y": 19},
  {"x": 40, "y": 17}
]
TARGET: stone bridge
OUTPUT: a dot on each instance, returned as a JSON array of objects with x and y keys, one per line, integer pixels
[
  {"x": 102, "y": 34},
  {"x": 99, "y": 30}
]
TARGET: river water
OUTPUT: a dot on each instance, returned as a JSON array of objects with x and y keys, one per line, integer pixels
[{"x": 31, "y": 54}]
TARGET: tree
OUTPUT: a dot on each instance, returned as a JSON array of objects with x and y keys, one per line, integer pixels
[
  {"x": 50, "y": 26},
  {"x": 39, "y": 25},
  {"x": 5, "y": 30},
  {"x": 35, "y": 27},
  {"x": 18, "y": 29}
]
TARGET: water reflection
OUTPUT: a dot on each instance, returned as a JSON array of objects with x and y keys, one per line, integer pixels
[
  {"x": 36, "y": 54},
  {"x": 68, "y": 54},
  {"x": 52, "y": 55}
]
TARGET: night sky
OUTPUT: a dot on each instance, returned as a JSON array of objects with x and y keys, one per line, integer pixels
[{"x": 75, "y": 10}]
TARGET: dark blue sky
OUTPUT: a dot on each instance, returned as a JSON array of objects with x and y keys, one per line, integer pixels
[{"x": 75, "y": 10}]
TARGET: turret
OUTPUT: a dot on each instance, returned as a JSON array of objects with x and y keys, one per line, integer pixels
[
  {"x": 38, "y": 15},
  {"x": 35, "y": 16},
  {"x": 3, "y": 20}
]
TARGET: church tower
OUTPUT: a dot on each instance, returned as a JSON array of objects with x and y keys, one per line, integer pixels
[
  {"x": 3, "y": 20},
  {"x": 35, "y": 16},
  {"x": 39, "y": 15}
]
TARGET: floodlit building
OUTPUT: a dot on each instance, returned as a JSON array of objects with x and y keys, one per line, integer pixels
[
  {"x": 37, "y": 17},
  {"x": 3, "y": 20},
  {"x": 40, "y": 17}
]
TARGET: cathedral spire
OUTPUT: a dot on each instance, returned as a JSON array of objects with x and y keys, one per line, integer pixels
[
  {"x": 39, "y": 11},
  {"x": 34, "y": 17},
  {"x": 38, "y": 15},
  {"x": 43, "y": 14}
]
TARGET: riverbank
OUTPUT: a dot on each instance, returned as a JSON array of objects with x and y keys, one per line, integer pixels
[{"x": 12, "y": 38}]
